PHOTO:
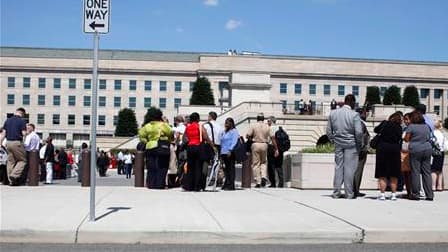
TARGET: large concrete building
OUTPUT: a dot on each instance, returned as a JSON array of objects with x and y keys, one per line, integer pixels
[{"x": 54, "y": 85}]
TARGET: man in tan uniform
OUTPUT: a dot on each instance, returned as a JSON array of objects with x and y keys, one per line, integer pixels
[{"x": 260, "y": 134}]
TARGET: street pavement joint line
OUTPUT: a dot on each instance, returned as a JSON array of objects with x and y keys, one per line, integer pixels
[
  {"x": 209, "y": 213},
  {"x": 363, "y": 232},
  {"x": 88, "y": 213}
]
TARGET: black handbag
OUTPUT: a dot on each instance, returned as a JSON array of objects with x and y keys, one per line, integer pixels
[
  {"x": 239, "y": 151},
  {"x": 374, "y": 141},
  {"x": 163, "y": 148}
]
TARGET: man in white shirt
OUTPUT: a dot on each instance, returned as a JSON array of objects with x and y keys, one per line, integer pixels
[
  {"x": 32, "y": 142},
  {"x": 120, "y": 159},
  {"x": 214, "y": 130}
]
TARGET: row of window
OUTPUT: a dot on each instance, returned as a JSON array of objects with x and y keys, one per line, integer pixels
[
  {"x": 132, "y": 102},
  {"x": 102, "y": 84},
  {"x": 312, "y": 88},
  {"x": 71, "y": 119}
]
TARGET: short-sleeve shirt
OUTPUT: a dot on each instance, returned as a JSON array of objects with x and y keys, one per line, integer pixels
[
  {"x": 14, "y": 126},
  {"x": 260, "y": 132},
  {"x": 420, "y": 134}
]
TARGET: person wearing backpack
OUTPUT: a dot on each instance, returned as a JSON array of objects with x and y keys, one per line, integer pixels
[{"x": 275, "y": 163}]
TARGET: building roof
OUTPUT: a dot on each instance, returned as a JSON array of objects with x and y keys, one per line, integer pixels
[{"x": 171, "y": 56}]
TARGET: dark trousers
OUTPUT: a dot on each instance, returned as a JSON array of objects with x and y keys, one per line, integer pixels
[
  {"x": 275, "y": 164},
  {"x": 63, "y": 169},
  {"x": 157, "y": 167},
  {"x": 421, "y": 164},
  {"x": 193, "y": 180},
  {"x": 102, "y": 170},
  {"x": 120, "y": 167},
  {"x": 4, "y": 175},
  {"x": 128, "y": 168},
  {"x": 43, "y": 171},
  {"x": 358, "y": 172},
  {"x": 229, "y": 171}
]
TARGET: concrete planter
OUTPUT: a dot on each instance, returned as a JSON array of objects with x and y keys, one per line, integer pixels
[{"x": 316, "y": 171}]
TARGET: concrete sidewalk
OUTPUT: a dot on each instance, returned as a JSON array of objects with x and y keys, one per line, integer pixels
[{"x": 56, "y": 214}]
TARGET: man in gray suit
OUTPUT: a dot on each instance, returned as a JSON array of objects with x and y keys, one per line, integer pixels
[{"x": 344, "y": 129}]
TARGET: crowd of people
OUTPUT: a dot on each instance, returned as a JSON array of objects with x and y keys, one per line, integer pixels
[{"x": 409, "y": 149}]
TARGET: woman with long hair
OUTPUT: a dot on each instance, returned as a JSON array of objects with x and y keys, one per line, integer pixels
[
  {"x": 228, "y": 142},
  {"x": 388, "y": 154}
]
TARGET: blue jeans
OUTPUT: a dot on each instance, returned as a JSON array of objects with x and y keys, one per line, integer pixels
[{"x": 128, "y": 170}]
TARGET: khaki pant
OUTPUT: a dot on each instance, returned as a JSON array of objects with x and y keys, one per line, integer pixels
[
  {"x": 259, "y": 161},
  {"x": 16, "y": 159}
]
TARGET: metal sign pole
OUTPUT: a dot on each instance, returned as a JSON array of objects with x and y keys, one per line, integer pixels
[{"x": 93, "y": 155}]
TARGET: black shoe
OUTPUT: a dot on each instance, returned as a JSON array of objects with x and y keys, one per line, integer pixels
[
  {"x": 272, "y": 186},
  {"x": 263, "y": 182},
  {"x": 258, "y": 186},
  {"x": 429, "y": 199},
  {"x": 360, "y": 194},
  {"x": 414, "y": 198},
  {"x": 280, "y": 186}
]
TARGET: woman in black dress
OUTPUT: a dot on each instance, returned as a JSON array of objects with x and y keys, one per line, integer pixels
[{"x": 388, "y": 154}]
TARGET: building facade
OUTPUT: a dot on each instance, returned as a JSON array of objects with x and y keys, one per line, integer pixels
[{"x": 54, "y": 85}]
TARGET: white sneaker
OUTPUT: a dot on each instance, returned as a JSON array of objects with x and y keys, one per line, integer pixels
[
  {"x": 393, "y": 197},
  {"x": 382, "y": 197}
]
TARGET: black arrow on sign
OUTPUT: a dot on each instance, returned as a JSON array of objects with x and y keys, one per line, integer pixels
[{"x": 93, "y": 25}]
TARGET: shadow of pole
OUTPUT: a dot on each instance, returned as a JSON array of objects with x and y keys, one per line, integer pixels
[{"x": 112, "y": 210}]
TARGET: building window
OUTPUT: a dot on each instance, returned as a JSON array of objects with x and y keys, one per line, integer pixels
[
  {"x": 383, "y": 90},
  {"x": 283, "y": 88},
  {"x": 72, "y": 100},
  {"x": 132, "y": 85},
  {"x": 57, "y": 83},
  {"x": 26, "y": 99},
  {"x": 147, "y": 102},
  {"x": 102, "y": 101},
  {"x": 162, "y": 85},
  {"x": 11, "y": 99},
  {"x": 162, "y": 102},
  {"x": 86, "y": 119},
  {"x": 86, "y": 101},
  {"x": 437, "y": 109},
  {"x": 178, "y": 86},
  {"x": 87, "y": 84},
  {"x": 297, "y": 88},
  {"x": 148, "y": 85},
  {"x": 312, "y": 89},
  {"x": 341, "y": 90},
  {"x": 355, "y": 90},
  {"x": 177, "y": 102},
  {"x": 26, "y": 82},
  {"x": 101, "y": 120},
  {"x": 327, "y": 90},
  {"x": 41, "y": 119},
  {"x": 424, "y": 92},
  {"x": 284, "y": 103},
  {"x": 41, "y": 83},
  {"x": 132, "y": 102},
  {"x": 102, "y": 84},
  {"x": 117, "y": 84},
  {"x": 192, "y": 83},
  {"x": 41, "y": 100},
  {"x": 72, "y": 83},
  {"x": 115, "y": 120},
  {"x": 117, "y": 102},
  {"x": 438, "y": 93},
  {"x": 56, "y": 119},
  {"x": 11, "y": 82},
  {"x": 71, "y": 119},
  {"x": 56, "y": 100}
]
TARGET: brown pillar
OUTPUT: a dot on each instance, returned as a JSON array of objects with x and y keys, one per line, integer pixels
[
  {"x": 33, "y": 164},
  {"x": 139, "y": 174},
  {"x": 85, "y": 163},
  {"x": 246, "y": 178}
]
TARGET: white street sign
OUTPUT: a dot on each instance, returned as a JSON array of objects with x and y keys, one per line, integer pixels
[{"x": 96, "y": 16}]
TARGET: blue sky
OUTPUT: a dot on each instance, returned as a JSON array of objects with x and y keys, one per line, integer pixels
[{"x": 384, "y": 29}]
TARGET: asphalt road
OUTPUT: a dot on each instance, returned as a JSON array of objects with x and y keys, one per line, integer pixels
[{"x": 227, "y": 248}]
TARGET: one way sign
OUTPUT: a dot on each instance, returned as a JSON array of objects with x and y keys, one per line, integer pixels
[{"x": 96, "y": 16}]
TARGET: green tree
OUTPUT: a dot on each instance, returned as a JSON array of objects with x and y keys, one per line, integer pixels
[
  {"x": 127, "y": 123},
  {"x": 392, "y": 96},
  {"x": 202, "y": 93},
  {"x": 372, "y": 96},
  {"x": 410, "y": 96}
]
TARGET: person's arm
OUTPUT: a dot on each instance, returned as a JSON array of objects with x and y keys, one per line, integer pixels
[
  {"x": 329, "y": 130},
  {"x": 205, "y": 136},
  {"x": 27, "y": 142},
  {"x": 235, "y": 137},
  {"x": 408, "y": 135},
  {"x": 142, "y": 135},
  {"x": 274, "y": 143},
  {"x": 358, "y": 132}
]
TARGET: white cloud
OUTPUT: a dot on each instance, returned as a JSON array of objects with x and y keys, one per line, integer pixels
[
  {"x": 180, "y": 29},
  {"x": 232, "y": 24},
  {"x": 211, "y": 2}
]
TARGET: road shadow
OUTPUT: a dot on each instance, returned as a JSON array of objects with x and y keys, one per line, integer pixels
[{"x": 112, "y": 210}]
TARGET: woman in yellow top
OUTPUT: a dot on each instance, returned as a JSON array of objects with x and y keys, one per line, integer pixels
[{"x": 156, "y": 134}]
